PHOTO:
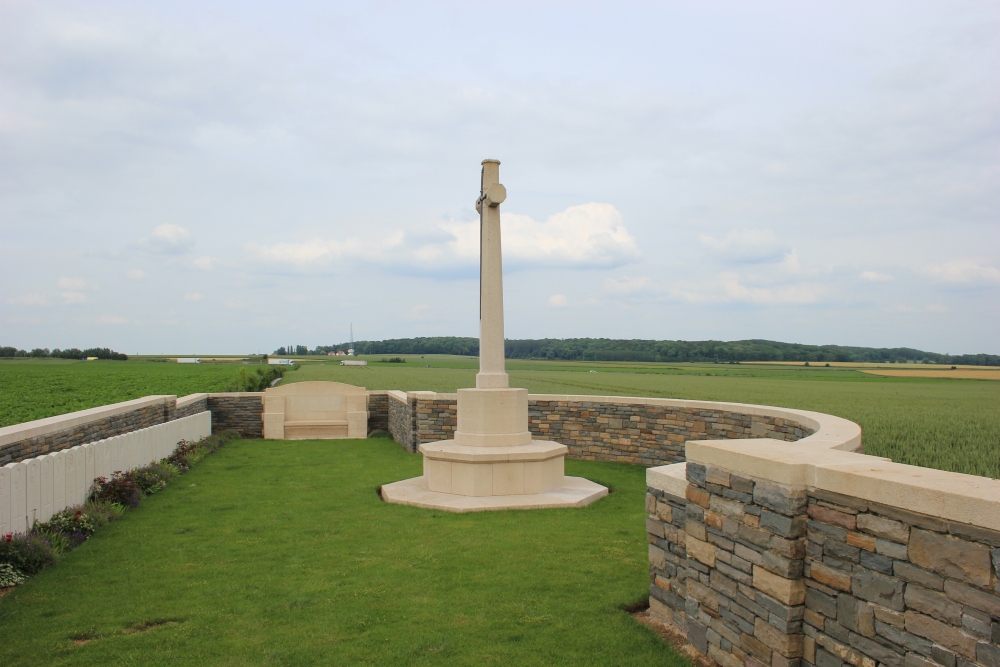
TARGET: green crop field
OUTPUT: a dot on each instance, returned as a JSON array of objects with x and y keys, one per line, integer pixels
[
  {"x": 38, "y": 388},
  {"x": 939, "y": 423}
]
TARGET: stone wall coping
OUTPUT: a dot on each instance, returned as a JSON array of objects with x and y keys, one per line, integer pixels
[
  {"x": 396, "y": 394},
  {"x": 670, "y": 479},
  {"x": 236, "y": 394},
  {"x": 184, "y": 401},
  {"x": 378, "y": 392},
  {"x": 952, "y": 496},
  {"x": 40, "y": 427}
]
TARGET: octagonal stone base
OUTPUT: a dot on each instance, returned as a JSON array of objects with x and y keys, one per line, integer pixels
[{"x": 575, "y": 492}]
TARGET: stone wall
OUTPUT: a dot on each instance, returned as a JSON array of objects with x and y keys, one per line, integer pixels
[
  {"x": 640, "y": 431},
  {"x": 645, "y": 434},
  {"x": 190, "y": 405},
  {"x": 378, "y": 411},
  {"x": 401, "y": 420},
  {"x": 801, "y": 556},
  {"x": 241, "y": 412},
  {"x": 31, "y": 439},
  {"x": 897, "y": 587}
]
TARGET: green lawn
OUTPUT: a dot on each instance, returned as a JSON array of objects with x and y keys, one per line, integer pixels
[{"x": 277, "y": 553}]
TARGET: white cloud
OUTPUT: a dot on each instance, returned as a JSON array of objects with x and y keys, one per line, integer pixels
[
  {"x": 111, "y": 319},
  {"x": 75, "y": 284},
  {"x": 749, "y": 246},
  {"x": 873, "y": 277},
  {"x": 631, "y": 286},
  {"x": 558, "y": 301},
  {"x": 135, "y": 274},
  {"x": 193, "y": 296},
  {"x": 205, "y": 263},
  {"x": 929, "y": 308},
  {"x": 964, "y": 272},
  {"x": 28, "y": 300},
  {"x": 167, "y": 239},
  {"x": 730, "y": 287},
  {"x": 586, "y": 236},
  {"x": 419, "y": 312},
  {"x": 74, "y": 298}
]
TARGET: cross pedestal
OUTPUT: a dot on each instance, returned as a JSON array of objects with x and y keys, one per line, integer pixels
[{"x": 493, "y": 462}]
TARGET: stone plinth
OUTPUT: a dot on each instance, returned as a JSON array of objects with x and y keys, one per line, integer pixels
[{"x": 575, "y": 492}]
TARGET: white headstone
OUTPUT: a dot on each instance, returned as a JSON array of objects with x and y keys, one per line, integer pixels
[
  {"x": 46, "y": 475},
  {"x": 4, "y": 501},
  {"x": 33, "y": 489},
  {"x": 59, "y": 482},
  {"x": 91, "y": 457},
  {"x": 70, "y": 465},
  {"x": 81, "y": 476},
  {"x": 18, "y": 471}
]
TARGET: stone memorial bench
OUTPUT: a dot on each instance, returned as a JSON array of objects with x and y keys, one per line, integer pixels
[{"x": 315, "y": 410}]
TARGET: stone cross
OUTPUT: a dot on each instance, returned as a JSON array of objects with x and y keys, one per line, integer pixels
[{"x": 492, "y": 374}]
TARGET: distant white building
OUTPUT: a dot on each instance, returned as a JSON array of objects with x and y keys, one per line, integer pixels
[
  {"x": 280, "y": 362},
  {"x": 353, "y": 362},
  {"x": 188, "y": 360}
]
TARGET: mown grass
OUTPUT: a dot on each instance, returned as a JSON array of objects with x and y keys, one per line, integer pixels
[{"x": 282, "y": 553}]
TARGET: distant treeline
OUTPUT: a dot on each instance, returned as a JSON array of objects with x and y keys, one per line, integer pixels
[
  {"x": 71, "y": 353},
  {"x": 605, "y": 349}
]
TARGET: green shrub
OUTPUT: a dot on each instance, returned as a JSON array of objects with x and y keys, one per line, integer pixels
[
  {"x": 28, "y": 553},
  {"x": 9, "y": 576},
  {"x": 120, "y": 489},
  {"x": 259, "y": 379}
]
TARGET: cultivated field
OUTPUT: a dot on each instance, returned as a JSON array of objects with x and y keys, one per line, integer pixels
[{"x": 951, "y": 424}]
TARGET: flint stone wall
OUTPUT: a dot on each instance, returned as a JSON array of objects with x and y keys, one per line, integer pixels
[{"x": 761, "y": 573}]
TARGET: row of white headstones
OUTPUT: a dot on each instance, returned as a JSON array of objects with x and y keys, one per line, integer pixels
[{"x": 37, "y": 488}]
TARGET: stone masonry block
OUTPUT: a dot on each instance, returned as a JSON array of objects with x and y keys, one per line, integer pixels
[
  {"x": 781, "y": 498},
  {"x": 941, "y": 633},
  {"x": 787, "y": 591},
  {"x": 783, "y": 525},
  {"x": 951, "y": 557},
  {"x": 884, "y": 528},
  {"x": 933, "y": 604},
  {"x": 977, "y": 599},
  {"x": 831, "y": 577},
  {"x": 832, "y": 517},
  {"x": 789, "y": 646},
  {"x": 878, "y": 588}
]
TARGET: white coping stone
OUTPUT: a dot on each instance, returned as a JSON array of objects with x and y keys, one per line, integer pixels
[
  {"x": 4, "y": 501},
  {"x": 59, "y": 482},
  {"x": 576, "y": 492},
  {"x": 18, "y": 471},
  {"x": 39, "y": 427},
  {"x": 670, "y": 479},
  {"x": 33, "y": 490},
  {"x": 46, "y": 477}
]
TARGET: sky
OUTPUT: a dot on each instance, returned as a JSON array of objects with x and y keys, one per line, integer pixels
[{"x": 230, "y": 177}]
